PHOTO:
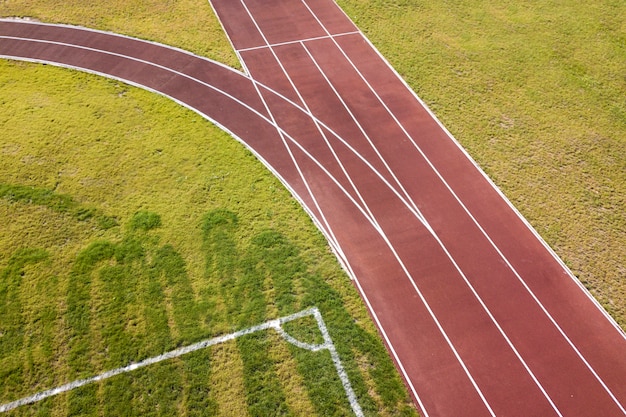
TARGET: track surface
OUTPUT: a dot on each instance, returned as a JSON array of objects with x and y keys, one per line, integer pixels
[{"x": 479, "y": 315}]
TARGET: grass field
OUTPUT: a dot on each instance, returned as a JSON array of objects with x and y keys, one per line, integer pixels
[{"x": 99, "y": 268}]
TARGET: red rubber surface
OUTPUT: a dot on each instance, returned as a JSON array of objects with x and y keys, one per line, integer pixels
[{"x": 480, "y": 317}]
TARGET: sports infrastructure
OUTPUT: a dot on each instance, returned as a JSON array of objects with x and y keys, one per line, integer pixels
[{"x": 479, "y": 314}]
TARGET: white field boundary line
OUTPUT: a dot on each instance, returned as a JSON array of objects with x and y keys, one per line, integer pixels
[
  {"x": 275, "y": 324},
  {"x": 611, "y": 320},
  {"x": 344, "y": 262},
  {"x": 309, "y": 113},
  {"x": 475, "y": 221}
]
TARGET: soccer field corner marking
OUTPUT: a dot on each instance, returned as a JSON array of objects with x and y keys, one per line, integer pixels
[{"x": 275, "y": 324}]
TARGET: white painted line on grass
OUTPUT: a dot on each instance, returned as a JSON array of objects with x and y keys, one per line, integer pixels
[{"x": 275, "y": 324}]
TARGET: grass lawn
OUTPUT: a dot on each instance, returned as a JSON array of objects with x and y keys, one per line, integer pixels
[{"x": 98, "y": 268}]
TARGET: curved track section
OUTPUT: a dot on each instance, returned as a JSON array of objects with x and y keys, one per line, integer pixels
[{"x": 478, "y": 313}]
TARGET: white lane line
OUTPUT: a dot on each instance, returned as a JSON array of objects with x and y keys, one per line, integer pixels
[
  {"x": 273, "y": 45},
  {"x": 275, "y": 324},
  {"x": 475, "y": 221},
  {"x": 117, "y": 35},
  {"x": 230, "y": 41},
  {"x": 308, "y": 111}
]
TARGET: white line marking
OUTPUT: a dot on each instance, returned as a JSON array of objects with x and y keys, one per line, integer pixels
[
  {"x": 321, "y": 227},
  {"x": 275, "y": 324},
  {"x": 273, "y": 45},
  {"x": 205, "y": 115}
]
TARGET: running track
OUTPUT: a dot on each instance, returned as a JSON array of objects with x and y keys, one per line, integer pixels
[{"x": 479, "y": 315}]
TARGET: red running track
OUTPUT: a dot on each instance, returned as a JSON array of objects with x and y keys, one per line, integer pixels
[{"x": 479, "y": 315}]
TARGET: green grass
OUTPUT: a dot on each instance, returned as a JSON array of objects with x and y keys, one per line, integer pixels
[{"x": 132, "y": 230}]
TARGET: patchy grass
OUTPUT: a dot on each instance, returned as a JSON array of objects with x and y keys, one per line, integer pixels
[
  {"x": 536, "y": 92},
  {"x": 199, "y": 248}
]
